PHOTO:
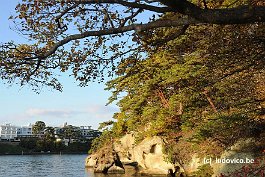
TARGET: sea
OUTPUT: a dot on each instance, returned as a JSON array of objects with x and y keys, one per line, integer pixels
[{"x": 48, "y": 165}]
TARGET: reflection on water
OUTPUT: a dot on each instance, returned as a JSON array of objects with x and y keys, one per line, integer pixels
[
  {"x": 91, "y": 174},
  {"x": 49, "y": 166},
  {"x": 128, "y": 174}
]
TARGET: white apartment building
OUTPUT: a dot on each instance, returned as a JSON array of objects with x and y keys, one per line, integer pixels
[
  {"x": 88, "y": 133},
  {"x": 25, "y": 131},
  {"x": 85, "y": 130},
  {"x": 8, "y": 132}
]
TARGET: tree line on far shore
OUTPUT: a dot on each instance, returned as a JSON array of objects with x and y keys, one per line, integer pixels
[{"x": 45, "y": 139}]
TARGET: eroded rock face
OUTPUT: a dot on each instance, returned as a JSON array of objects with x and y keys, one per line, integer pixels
[
  {"x": 148, "y": 154},
  {"x": 106, "y": 160},
  {"x": 90, "y": 161},
  {"x": 146, "y": 157},
  {"x": 116, "y": 170}
]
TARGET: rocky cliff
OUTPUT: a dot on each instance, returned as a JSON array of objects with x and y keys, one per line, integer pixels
[{"x": 147, "y": 157}]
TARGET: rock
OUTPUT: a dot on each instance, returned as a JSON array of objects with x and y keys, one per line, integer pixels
[
  {"x": 90, "y": 161},
  {"x": 116, "y": 170},
  {"x": 147, "y": 158},
  {"x": 124, "y": 148},
  {"x": 148, "y": 154},
  {"x": 106, "y": 158},
  {"x": 241, "y": 150},
  {"x": 193, "y": 165}
]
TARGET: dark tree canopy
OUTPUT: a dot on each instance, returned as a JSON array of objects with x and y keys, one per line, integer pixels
[
  {"x": 38, "y": 127},
  {"x": 86, "y": 36}
]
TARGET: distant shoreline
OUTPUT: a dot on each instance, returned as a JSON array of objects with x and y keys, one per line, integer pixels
[{"x": 45, "y": 153}]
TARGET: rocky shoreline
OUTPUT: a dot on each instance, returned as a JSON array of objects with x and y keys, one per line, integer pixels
[{"x": 147, "y": 158}]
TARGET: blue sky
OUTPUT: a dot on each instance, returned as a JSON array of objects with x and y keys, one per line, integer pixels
[{"x": 75, "y": 105}]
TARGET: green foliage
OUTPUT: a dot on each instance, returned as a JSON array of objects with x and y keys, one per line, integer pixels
[
  {"x": 38, "y": 127},
  {"x": 49, "y": 134},
  {"x": 28, "y": 143},
  {"x": 70, "y": 132},
  {"x": 47, "y": 141},
  {"x": 227, "y": 128},
  {"x": 105, "y": 139},
  {"x": 204, "y": 171},
  {"x": 76, "y": 147},
  {"x": 158, "y": 87},
  {"x": 203, "y": 90},
  {"x": 104, "y": 125},
  {"x": 8, "y": 148}
]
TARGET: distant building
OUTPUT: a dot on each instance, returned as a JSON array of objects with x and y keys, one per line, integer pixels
[
  {"x": 25, "y": 131},
  {"x": 85, "y": 131},
  {"x": 8, "y": 132},
  {"x": 92, "y": 134}
]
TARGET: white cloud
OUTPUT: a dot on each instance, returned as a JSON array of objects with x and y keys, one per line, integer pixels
[
  {"x": 99, "y": 111},
  {"x": 51, "y": 112},
  {"x": 89, "y": 115},
  {"x": 92, "y": 111}
]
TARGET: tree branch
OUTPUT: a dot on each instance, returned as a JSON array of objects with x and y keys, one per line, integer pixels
[
  {"x": 136, "y": 27},
  {"x": 130, "y": 17},
  {"x": 57, "y": 19},
  {"x": 173, "y": 36},
  {"x": 126, "y": 4},
  {"x": 205, "y": 92},
  {"x": 37, "y": 67},
  {"x": 108, "y": 17},
  {"x": 237, "y": 15}
]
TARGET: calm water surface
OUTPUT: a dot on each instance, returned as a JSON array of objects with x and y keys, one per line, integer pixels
[{"x": 46, "y": 165}]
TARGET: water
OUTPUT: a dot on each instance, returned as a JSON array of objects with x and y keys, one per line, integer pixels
[
  {"x": 49, "y": 165},
  {"x": 45, "y": 166},
  {"x": 42, "y": 166}
]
